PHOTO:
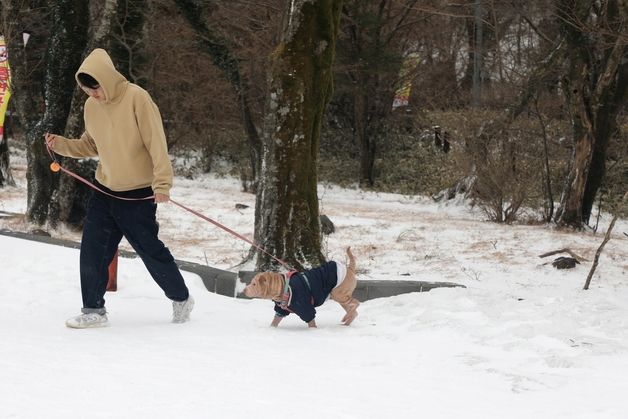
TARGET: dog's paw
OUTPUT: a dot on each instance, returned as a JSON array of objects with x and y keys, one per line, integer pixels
[{"x": 349, "y": 317}]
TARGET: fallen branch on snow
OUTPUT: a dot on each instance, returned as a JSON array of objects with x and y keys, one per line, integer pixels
[{"x": 565, "y": 250}]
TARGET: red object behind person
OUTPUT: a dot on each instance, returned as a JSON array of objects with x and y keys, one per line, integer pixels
[{"x": 112, "y": 284}]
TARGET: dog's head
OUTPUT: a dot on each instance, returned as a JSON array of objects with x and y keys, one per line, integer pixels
[{"x": 266, "y": 285}]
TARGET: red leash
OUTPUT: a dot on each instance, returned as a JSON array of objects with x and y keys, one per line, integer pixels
[
  {"x": 228, "y": 230},
  {"x": 55, "y": 167}
]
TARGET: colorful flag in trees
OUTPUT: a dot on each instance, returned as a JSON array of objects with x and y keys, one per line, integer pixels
[
  {"x": 408, "y": 68},
  {"x": 5, "y": 80}
]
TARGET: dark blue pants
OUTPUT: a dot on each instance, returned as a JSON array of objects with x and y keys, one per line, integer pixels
[{"x": 107, "y": 220}]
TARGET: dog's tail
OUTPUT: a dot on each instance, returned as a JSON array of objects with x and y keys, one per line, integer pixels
[
  {"x": 351, "y": 266},
  {"x": 349, "y": 303}
]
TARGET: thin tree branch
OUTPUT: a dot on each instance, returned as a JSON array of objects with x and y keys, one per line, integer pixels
[
  {"x": 607, "y": 237},
  {"x": 565, "y": 250}
]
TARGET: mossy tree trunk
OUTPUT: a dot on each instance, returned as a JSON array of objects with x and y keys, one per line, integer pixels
[
  {"x": 58, "y": 33},
  {"x": 71, "y": 206},
  {"x": 287, "y": 214}
]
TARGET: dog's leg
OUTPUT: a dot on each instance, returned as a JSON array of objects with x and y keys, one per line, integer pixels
[
  {"x": 276, "y": 321},
  {"x": 351, "y": 308}
]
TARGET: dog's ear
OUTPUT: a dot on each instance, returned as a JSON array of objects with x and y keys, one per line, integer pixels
[
  {"x": 262, "y": 282},
  {"x": 262, "y": 279}
]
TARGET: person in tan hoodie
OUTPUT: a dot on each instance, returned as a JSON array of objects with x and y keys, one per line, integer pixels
[{"x": 123, "y": 128}]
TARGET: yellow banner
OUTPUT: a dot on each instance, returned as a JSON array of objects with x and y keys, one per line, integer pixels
[
  {"x": 5, "y": 80},
  {"x": 408, "y": 67}
]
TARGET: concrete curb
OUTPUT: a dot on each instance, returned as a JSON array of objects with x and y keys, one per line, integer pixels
[{"x": 230, "y": 284}]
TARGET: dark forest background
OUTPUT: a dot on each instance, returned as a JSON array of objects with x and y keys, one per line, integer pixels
[{"x": 510, "y": 104}]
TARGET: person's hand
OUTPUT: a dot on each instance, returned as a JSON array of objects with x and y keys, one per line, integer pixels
[
  {"x": 50, "y": 140},
  {"x": 159, "y": 198}
]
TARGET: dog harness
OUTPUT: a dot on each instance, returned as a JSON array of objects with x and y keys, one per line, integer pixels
[{"x": 287, "y": 292}]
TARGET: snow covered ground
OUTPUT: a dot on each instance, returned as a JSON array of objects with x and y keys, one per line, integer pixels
[{"x": 522, "y": 340}]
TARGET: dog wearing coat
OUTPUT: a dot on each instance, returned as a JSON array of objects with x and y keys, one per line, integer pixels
[{"x": 301, "y": 292}]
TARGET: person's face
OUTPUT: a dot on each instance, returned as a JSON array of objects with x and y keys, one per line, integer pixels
[{"x": 98, "y": 93}]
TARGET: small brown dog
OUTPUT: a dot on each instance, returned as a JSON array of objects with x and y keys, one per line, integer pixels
[{"x": 303, "y": 291}]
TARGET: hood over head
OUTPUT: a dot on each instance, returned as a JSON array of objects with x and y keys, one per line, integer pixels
[{"x": 98, "y": 64}]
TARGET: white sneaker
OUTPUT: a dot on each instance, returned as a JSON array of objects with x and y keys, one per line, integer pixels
[
  {"x": 87, "y": 320},
  {"x": 181, "y": 310}
]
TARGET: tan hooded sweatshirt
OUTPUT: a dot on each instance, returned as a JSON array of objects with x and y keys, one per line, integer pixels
[{"x": 125, "y": 131}]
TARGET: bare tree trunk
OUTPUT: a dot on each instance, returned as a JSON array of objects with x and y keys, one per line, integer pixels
[
  {"x": 6, "y": 178},
  {"x": 222, "y": 56},
  {"x": 287, "y": 214},
  {"x": 368, "y": 146},
  {"x": 547, "y": 176},
  {"x": 595, "y": 88},
  {"x": 467, "y": 80},
  {"x": 605, "y": 129}
]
